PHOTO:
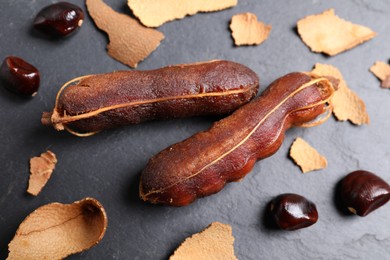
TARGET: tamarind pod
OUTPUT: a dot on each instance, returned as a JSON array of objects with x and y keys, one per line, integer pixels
[
  {"x": 96, "y": 102},
  {"x": 202, "y": 164}
]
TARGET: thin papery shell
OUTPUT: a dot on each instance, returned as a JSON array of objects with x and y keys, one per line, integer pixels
[
  {"x": 215, "y": 242},
  {"x": 41, "y": 169},
  {"x": 247, "y": 30},
  {"x": 56, "y": 230},
  {"x": 382, "y": 71},
  {"x": 306, "y": 157},
  {"x": 330, "y": 34},
  {"x": 347, "y": 105},
  {"x": 153, "y": 13},
  {"x": 130, "y": 42}
]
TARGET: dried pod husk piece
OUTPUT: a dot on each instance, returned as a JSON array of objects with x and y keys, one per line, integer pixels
[
  {"x": 41, "y": 169},
  {"x": 306, "y": 157},
  {"x": 55, "y": 230},
  {"x": 202, "y": 164},
  {"x": 328, "y": 33},
  {"x": 247, "y": 30},
  {"x": 97, "y": 102},
  {"x": 215, "y": 242},
  {"x": 363, "y": 192},
  {"x": 347, "y": 105},
  {"x": 153, "y": 13},
  {"x": 130, "y": 42},
  {"x": 382, "y": 71}
]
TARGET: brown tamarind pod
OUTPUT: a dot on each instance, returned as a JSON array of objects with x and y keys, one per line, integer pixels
[
  {"x": 93, "y": 103},
  {"x": 202, "y": 164}
]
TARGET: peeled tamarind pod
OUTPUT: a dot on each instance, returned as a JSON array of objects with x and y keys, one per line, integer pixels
[
  {"x": 202, "y": 164},
  {"x": 93, "y": 103}
]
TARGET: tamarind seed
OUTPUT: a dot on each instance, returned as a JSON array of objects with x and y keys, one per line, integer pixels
[
  {"x": 19, "y": 76},
  {"x": 293, "y": 211},
  {"x": 60, "y": 19},
  {"x": 363, "y": 192}
]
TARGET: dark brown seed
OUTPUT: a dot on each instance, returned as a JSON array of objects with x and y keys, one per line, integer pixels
[
  {"x": 386, "y": 82},
  {"x": 292, "y": 211},
  {"x": 363, "y": 192},
  {"x": 19, "y": 76},
  {"x": 59, "y": 19}
]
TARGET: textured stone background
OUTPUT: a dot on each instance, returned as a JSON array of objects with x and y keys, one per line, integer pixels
[{"x": 107, "y": 166}]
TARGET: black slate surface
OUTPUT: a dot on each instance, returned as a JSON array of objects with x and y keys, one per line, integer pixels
[{"x": 107, "y": 166}]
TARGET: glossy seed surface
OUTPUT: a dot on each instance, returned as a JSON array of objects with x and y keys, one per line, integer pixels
[
  {"x": 363, "y": 192},
  {"x": 19, "y": 76},
  {"x": 60, "y": 19},
  {"x": 293, "y": 211}
]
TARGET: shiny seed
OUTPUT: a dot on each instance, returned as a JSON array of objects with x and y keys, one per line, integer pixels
[
  {"x": 292, "y": 211},
  {"x": 19, "y": 76},
  {"x": 60, "y": 19},
  {"x": 363, "y": 192}
]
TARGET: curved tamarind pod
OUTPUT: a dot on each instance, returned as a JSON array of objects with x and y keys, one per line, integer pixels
[
  {"x": 202, "y": 164},
  {"x": 96, "y": 102}
]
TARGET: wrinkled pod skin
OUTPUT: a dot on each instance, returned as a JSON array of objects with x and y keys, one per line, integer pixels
[
  {"x": 363, "y": 192},
  {"x": 202, "y": 164},
  {"x": 97, "y": 102}
]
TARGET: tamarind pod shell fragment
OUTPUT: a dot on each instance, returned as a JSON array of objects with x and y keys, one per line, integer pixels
[
  {"x": 56, "y": 230},
  {"x": 202, "y": 164},
  {"x": 97, "y": 102}
]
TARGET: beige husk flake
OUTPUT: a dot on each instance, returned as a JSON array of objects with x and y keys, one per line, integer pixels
[
  {"x": 247, "y": 30},
  {"x": 153, "y": 13},
  {"x": 130, "y": 42},
  {"x": 306, "y": 157},
  {"x": 382, "y": 71},
  {"x": 55, "y": 231},
  {"x": 330, "y": 34},
  {"x": 346, "y": 104},
  {"x": 215, "y": 242},
  {"x": 41, "y": 169}
]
